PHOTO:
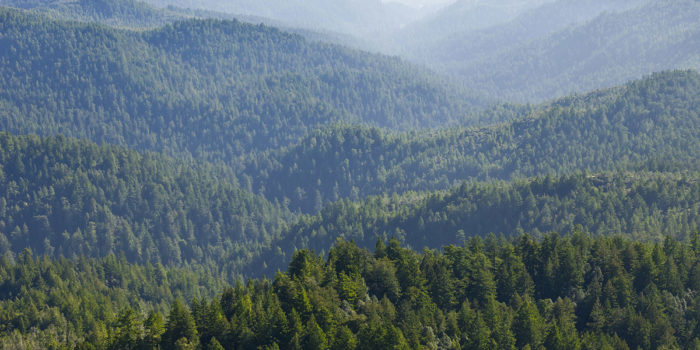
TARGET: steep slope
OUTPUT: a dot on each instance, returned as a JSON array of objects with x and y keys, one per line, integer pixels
[
  {"x": 62, "y": 197},
  {"x": 642, "y": 205},
  {"x": 651, "y": 119},
  {"x": 214, "y": 89}
]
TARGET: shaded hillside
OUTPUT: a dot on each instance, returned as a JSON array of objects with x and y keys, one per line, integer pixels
[
  {"x": 214, "y": 89},
  {"x": 652, "y": 119},
  {"x": 62, "y": 197},
  {"x": 645, "y": 206}
]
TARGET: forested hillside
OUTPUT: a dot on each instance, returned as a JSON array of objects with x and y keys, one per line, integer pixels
[
  {"x": 138, "y": 15},
  {"x": 62, "y": 197},
  {"x": 231, "y": 89},
  {"x": 122, "y": 13},
  {"x": 559, "y": 47},
  {"x": 56, "y": 304},
  {"x": 645, "y": 121},
  {"x": 642, "y": 205},
  {"x": 152, "y": 160},
  {"x": 573, "y": 292},
  {"x": 609, "y": 50},
  {"x": 214, "y": 89}
]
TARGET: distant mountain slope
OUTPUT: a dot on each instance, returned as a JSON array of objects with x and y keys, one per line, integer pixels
[
  {"x": 139, "y": 15},
  {"x": 645, "y": 206},
  {"x": 568, "y": 46},
  {"x": 651, "y": 119},
  {"x": 122, "y": 13},
  {"x": 609, "y": 50},
  {"x": 459, "y": 18},
  {"x": 214, "y": 89},
  {"x": 63, "y": 197},
  {"x": 454, "y": 47}
]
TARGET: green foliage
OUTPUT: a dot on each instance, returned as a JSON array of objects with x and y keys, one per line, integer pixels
[
  {"x": 650, "y": 124},
  {"x": 106, "y": 302},
  {"x": 579, "y": 317},
  {"x": 214, "y": 89},
  {"x": 642, "y": 205},
  {"x": 180, "y": 330},
  {"x": 63, "y": 197},
  {"x": 450, "y": 301}
]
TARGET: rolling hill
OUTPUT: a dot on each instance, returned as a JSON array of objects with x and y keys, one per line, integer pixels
[
  {"x": 73, "y": 198},
  {"x": 648, "y": 120},
  {"x": 210, "y": 88}
]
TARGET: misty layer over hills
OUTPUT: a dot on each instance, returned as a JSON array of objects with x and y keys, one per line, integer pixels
[
  {"x": 510, "y": 50},
  {"x": 361, "y": 18},
  {"x": 507, "y": 50},
  {"x": 568, "y": 46}
]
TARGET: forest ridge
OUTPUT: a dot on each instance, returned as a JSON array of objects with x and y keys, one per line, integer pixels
[{"x": 182, "y": 178}]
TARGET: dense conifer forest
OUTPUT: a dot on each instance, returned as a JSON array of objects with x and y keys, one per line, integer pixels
[
  {"x": 642, "y": 205},
  {"x": 180, "y": 179},
  {"x": 653, "y": 122},
  {"x": 166, "y": 89},
  {"x": 70, "y": 198},
  {"x": 573, "y": 292}
]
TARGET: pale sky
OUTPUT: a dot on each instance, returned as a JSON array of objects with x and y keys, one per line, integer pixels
[{"x": 422, "y": 3}]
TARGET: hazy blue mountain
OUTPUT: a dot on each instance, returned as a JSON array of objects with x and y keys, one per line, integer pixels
[
  {"x": 568, "y": 46},
  {"x": 611, "y": 49},
  {"x": 361, "y": 18},
  {"x": 470, "y": 45},
  {"x": 458, "y": 19}
]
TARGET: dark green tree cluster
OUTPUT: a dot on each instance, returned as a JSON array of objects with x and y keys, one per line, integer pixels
[
  {"x": 643, "y": 205},
  {"x": 232, "y": 89},
  {"x": 651, "y": 123},
  {"x": 64, "y": 197},
  {"x": 61, "y": 303},
  {"x": 572, "y": 292},
  {"x": 120, "y": 13}
]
